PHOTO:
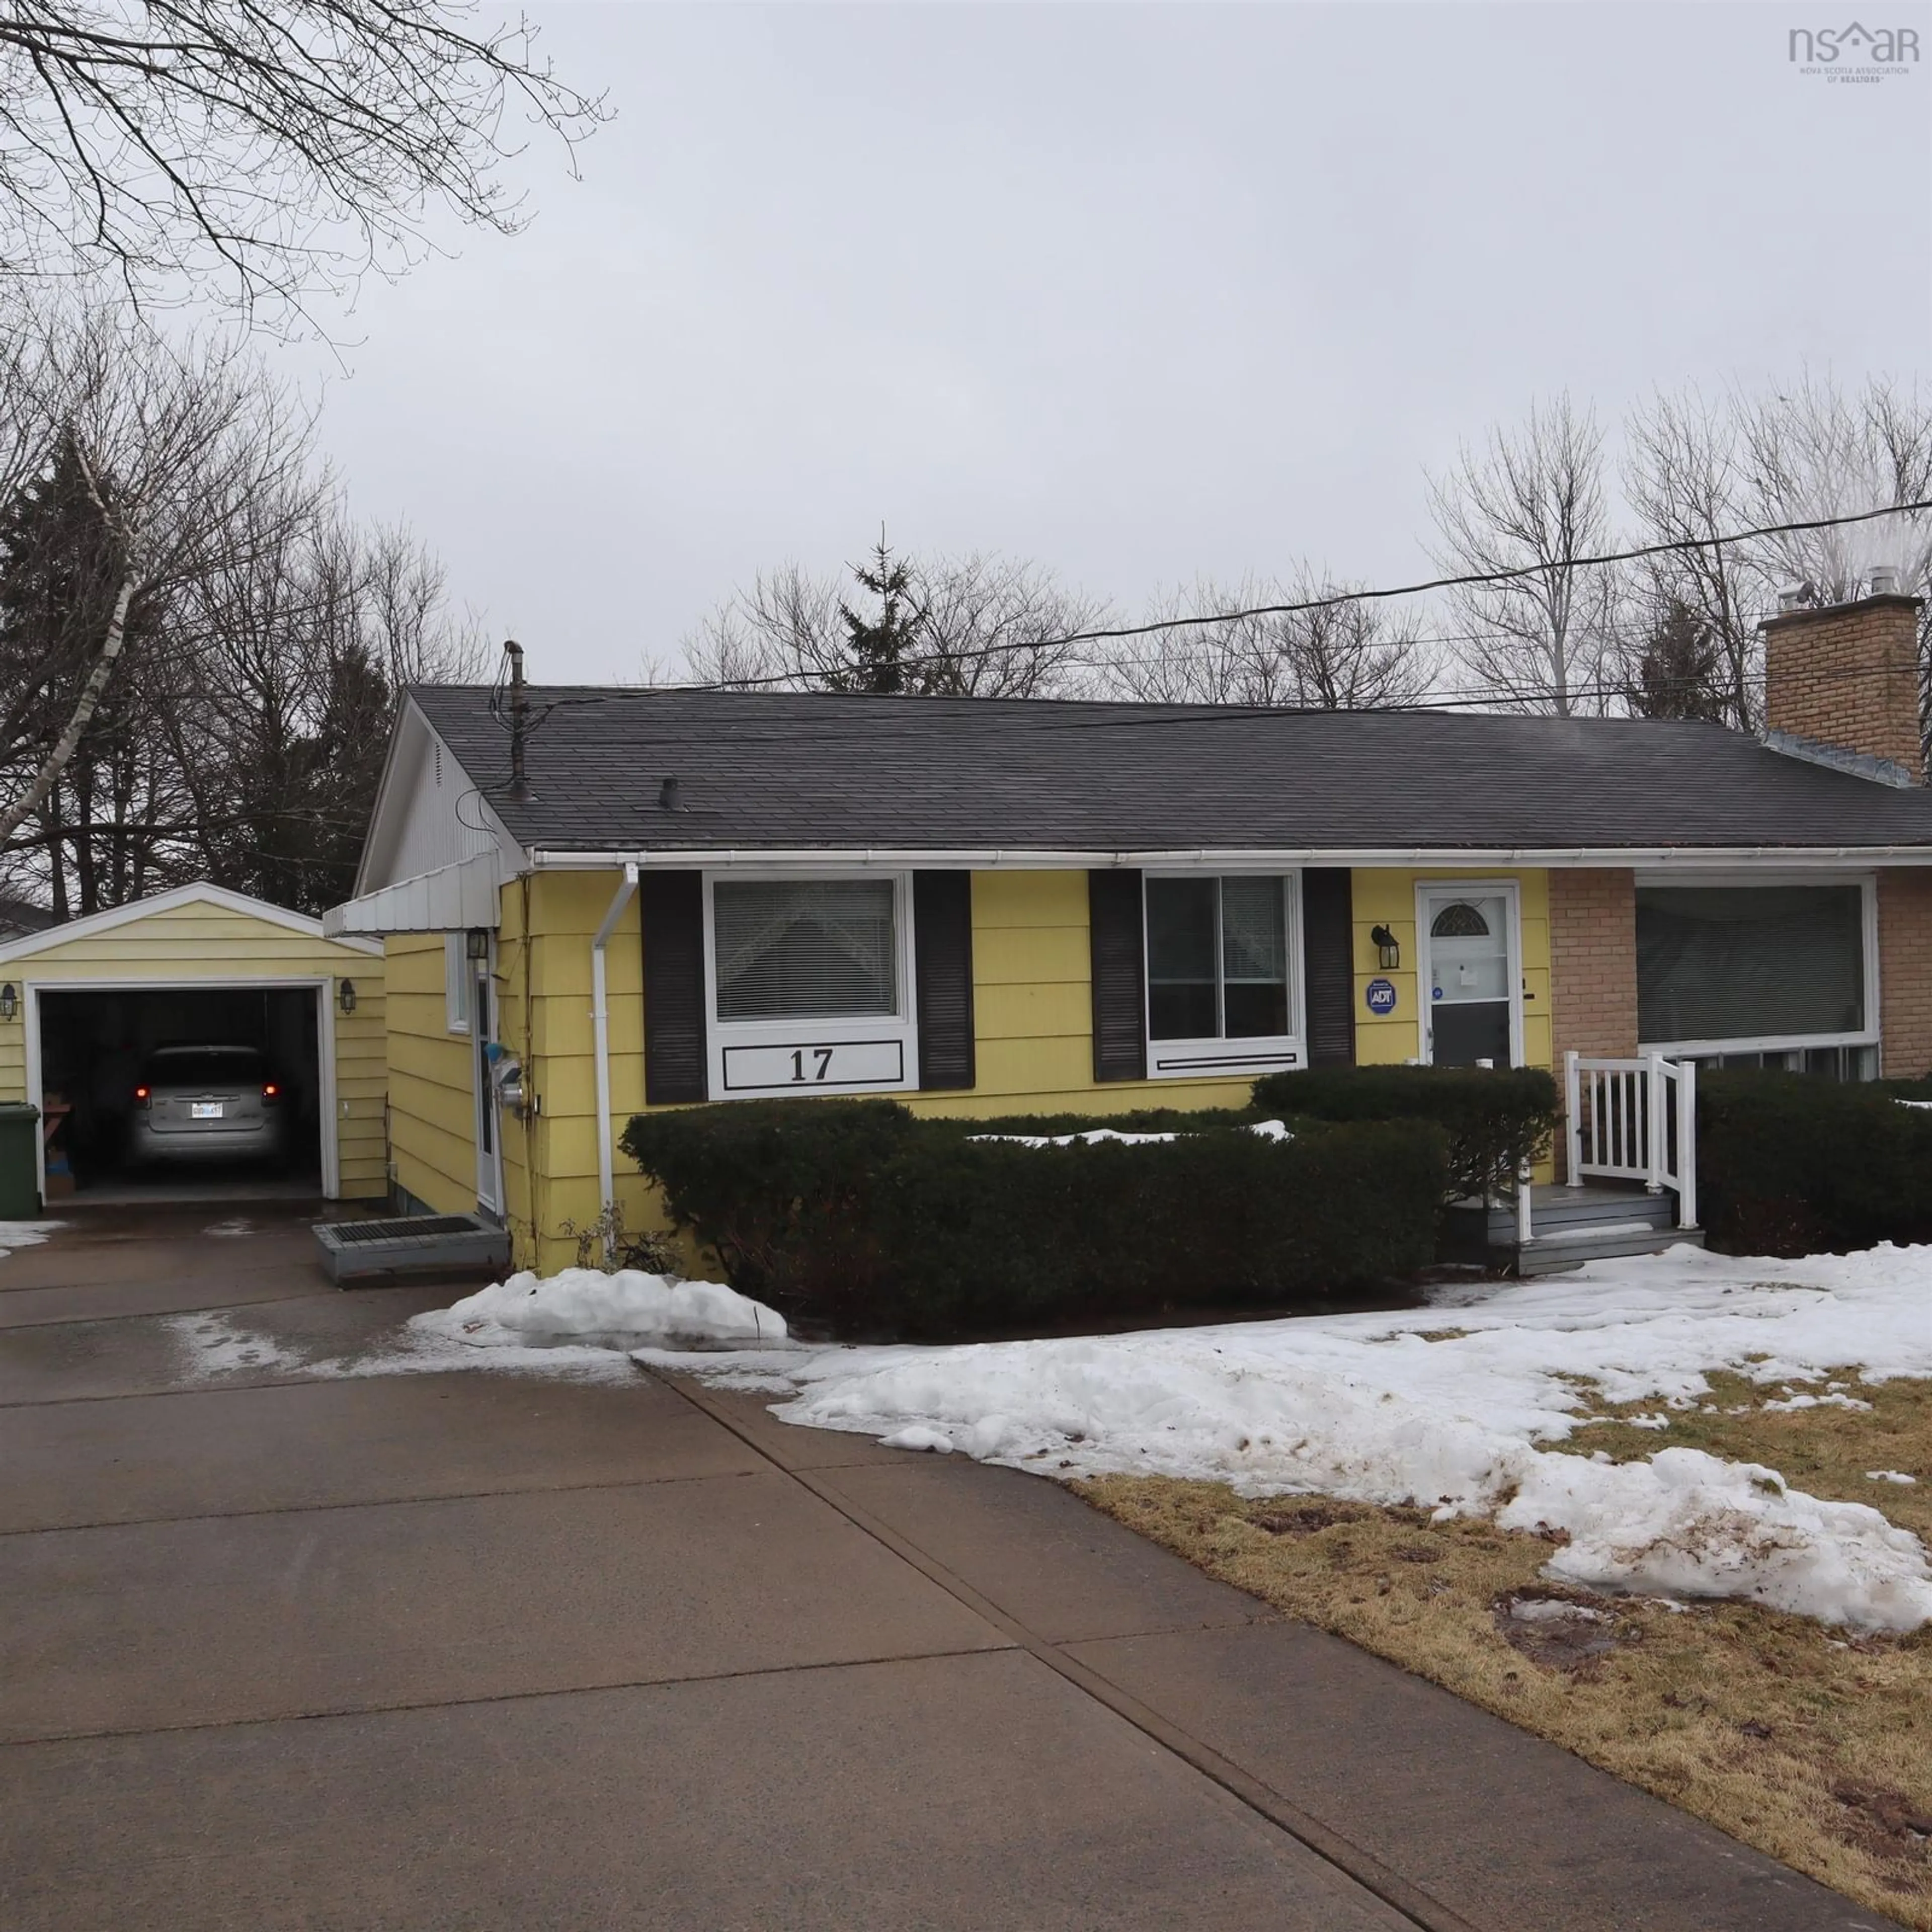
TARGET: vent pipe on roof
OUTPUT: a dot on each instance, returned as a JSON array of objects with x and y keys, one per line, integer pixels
[
  {"x": 518, "y": 792},
  {"x": 668, "y": 795}
]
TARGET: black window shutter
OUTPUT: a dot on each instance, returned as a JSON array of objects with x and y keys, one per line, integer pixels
[
  {"x": 1328, "y": 963},
  {"x": 1114, "y": 922},
  {"x": 942, "y": 943},
  {"x": 671, "y": 906}
]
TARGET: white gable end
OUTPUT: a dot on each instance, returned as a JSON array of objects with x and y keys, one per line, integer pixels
[{"x": 429, "y": 813}]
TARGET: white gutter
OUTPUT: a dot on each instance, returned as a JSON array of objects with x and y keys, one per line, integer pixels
[
  {"x": 1688, "y": 858},
  {"x": 600, "y": 1028}
]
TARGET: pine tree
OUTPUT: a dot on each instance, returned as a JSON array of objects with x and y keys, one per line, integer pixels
[
  {"x": 1678, "y": 669},
  {"x": 879, "y": 646}
]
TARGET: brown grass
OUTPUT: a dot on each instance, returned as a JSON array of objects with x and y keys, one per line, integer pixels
[{"x": 1810, "y": 1744}]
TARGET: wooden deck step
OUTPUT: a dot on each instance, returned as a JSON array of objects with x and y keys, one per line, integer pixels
[{"x": 1554, "y": 1256}]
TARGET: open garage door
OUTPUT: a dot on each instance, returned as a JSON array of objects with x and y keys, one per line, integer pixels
[{"x": 157, "y": 1091}]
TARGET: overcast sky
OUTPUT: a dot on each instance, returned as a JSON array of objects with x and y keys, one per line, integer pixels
[{"x": 1142, "y": 292}]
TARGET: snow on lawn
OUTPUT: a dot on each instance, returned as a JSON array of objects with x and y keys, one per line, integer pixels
[
  {"x": 1446, "y": 1407},
  {"x": 25, "y": 1235}
]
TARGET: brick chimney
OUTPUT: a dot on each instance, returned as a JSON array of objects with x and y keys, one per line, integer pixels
[{"x": 1843, "y": 679}]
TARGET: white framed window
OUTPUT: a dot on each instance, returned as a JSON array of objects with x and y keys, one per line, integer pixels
[
  {"x": 808, "y": 983},
  {"x": 1224, "y": 995},
  {"x": 456, "y": 982},
  {"x": 1770, "y": 971}
]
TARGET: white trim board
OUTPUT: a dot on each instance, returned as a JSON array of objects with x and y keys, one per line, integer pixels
[
  {"x": 1674, "y": 859},
  {"x": 201, "y": 892}
]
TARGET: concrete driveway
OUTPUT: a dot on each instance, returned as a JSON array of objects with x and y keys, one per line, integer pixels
[{"x": 474, "y": 1650}]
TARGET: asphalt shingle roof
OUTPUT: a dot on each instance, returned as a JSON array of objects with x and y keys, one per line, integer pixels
[{"x": 798, "y": 770}]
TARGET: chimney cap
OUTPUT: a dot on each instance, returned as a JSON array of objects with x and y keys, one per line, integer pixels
[
  {"x": 1797, "y": 597},
  {"x": 1884, "y": 581}
]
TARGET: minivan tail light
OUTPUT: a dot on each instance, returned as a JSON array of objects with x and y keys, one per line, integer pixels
[
  {"x": 140, "y": 1096},
  {"x": 270, "y": 1091}
]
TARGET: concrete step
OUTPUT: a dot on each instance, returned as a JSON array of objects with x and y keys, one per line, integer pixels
[{"x": 1546, "y": 1256}]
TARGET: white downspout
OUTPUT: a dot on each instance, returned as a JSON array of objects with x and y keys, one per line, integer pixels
[{"x": 600, "y": 1028}]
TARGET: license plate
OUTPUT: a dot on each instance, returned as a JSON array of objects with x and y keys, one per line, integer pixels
[{"x": 204, "y": 1110}]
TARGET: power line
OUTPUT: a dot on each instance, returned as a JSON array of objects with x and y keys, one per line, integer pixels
[{"x": 1338, "y": 599}]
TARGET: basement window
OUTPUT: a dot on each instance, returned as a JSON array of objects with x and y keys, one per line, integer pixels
[
  {"x": 1222, "y": 996},
  {"x": 1782, "y": 976},
  {"x": 810, "y": 984}
]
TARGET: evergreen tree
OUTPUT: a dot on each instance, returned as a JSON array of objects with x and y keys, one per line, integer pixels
[
  {"x": 879, "y": 646},
  {"x": 1678, "y": 670}
]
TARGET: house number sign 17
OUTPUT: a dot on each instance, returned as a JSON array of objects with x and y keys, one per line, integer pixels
[{"x": 788, "y": 1066}]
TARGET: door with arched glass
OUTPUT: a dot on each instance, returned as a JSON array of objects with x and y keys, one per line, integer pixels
[{"x": 1471, "y": 976}]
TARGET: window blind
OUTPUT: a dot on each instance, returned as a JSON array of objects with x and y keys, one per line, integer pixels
[{"x": 807, "y": 948}]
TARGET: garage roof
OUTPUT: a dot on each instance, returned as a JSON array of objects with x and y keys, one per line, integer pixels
[{"x": 200, "y": 892}]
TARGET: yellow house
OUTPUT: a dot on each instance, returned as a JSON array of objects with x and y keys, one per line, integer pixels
[
  {"x": 82, "y": 1003},
  {"x": 595, "y": 901}
]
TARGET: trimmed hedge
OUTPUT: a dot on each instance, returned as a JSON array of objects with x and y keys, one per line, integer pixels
[
  {"x": 855, "y": 1215},
  {"x": 1497, "y": 1119},
  {"x": 1790, "y": 1164}
]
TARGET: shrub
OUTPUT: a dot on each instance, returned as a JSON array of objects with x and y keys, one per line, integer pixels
[
  {"x": 779, "y": 1189},
  {"x": 1498, "y": 1120},
  {"x": 1789, "y": 1164},
  {"x": 856, "y": 1215}
]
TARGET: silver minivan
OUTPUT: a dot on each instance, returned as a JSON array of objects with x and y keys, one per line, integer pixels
[{"x": 208, "y": 1103}]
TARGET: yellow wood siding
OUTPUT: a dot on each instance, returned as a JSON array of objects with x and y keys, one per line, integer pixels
[
  {"x": 1387, "y": 897},
  {"x": 1033, "y": 1021},
  {"x": 432, "y": 1104},
  {"x": 199, "y": 941}
]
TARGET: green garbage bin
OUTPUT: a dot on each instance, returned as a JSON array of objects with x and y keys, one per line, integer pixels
[{"x": 20, "y": 1135}]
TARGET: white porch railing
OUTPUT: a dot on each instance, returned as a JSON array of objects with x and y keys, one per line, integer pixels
[{"x": 1634, "y": 1120}]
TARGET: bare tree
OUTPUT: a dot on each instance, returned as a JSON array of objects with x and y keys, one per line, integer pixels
[
  {"x": 988, "y": 626},
  {"x": 200, "y": 651},
  {"x": 1530, "y": 499},
  {"x": 1337, "y": 652},
  {"x": 175, "y": 448},
  {"x": 279, "y": 147},
  {"x": 1685, "y": 477}
]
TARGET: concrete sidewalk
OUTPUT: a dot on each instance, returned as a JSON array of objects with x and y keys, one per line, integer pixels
[{"x": 475, "y": 1650}]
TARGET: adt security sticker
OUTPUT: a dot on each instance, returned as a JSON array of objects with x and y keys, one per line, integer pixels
[{"x": 1380, "y": 995}]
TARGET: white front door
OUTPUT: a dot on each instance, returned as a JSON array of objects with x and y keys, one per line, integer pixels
[
  {"x": 482, "y": 1031},
  {"x": 1471, "y": 976}
]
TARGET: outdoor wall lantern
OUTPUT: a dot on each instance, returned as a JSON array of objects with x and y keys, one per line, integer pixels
[
  {"x": 10, "y": 1001},
  {"x": 1386, "y": 948},
  {"x": 345, "y": 996}
]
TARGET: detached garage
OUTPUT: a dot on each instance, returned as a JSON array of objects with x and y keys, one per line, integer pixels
[{"x": 195, "y": 1039}]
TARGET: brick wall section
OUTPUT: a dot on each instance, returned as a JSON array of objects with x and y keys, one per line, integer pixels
[
  {"x": 1592, "y": 967},
  {"x": 1905, "y": 970},
  {"x": 1847, "y": 676}
]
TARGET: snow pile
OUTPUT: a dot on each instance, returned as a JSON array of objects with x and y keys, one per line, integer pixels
[
  {"x": 1447, "y": 1407},
  {"x": 581, "y": 1302},
  {"x": 24, "y": 1234},
  {"x": 1270, "y": 1130}
]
